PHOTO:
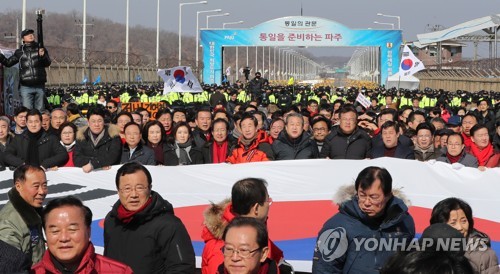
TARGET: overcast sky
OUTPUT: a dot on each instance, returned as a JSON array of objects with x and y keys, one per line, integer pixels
[{"x": 415, "y": 15}]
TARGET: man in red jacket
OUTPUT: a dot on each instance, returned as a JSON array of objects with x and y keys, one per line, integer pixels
[
  {"x": 249, "y": 198},
  {"x": 67, "y": 227}
]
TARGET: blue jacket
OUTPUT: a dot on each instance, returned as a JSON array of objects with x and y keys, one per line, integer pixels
[{"x": 350, "y": 223}]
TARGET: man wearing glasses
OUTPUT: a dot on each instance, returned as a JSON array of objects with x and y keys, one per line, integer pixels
[
  {"x": 20, "y": 218},
  {"x": 112, "y": 107},
  {"x": 370, "y": 215},
  {"x": 245, "y": 248},
  {"x": 347, "y": 141},
  {"x": 249, "y": 198},
  {"x": 142, "y": 231}
]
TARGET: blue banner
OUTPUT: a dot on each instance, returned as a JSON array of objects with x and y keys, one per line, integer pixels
[{"x": 298, "y": 31}]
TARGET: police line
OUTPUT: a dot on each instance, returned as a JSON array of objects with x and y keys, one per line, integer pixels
[{"x": 301, "y": 191}]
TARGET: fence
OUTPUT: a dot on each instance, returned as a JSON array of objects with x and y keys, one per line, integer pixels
[{"x": 463, "y": 75}]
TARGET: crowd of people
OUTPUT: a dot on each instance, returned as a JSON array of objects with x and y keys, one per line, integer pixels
[
  {"x": 234, "y": 124},
  {"x": 234, "y": 131},
  {"x": 143, "y": 235}
]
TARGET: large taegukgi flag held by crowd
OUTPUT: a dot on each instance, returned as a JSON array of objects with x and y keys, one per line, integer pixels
[{"x": 179, "y": 79}]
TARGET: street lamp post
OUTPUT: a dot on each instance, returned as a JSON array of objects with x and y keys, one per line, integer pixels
[
  {"x": 180, "y": 25},
  {"x": 381, "y": 23},
  {"x": 216, "y": 15},
  {"x": 392, "y": 16},
  {"x": 236, "y": 63},
  {"x": 198, "y": 33},
  {"x": 126, "y": 35}
]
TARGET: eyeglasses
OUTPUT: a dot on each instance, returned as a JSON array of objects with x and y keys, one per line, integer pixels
[
  {"x": 229, "y": 251},
  {"x": 110, "y": 107},
  {"x": 319, "y": 129},
  {"x": 137, "y": 188},
  {"x": 454, "y": 144},
  {"x": 362, "y": 198},
  {"x": 67, "y": 132}
]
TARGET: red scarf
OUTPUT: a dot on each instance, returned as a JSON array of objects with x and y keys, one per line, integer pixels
[
  {"x": 482, "y": 155},
  {"x": 219, "y": 152},
  {"x": 453, "y": 159},
  {"x": 467, "y": 141},
  {"x": 125, "y": 215}
]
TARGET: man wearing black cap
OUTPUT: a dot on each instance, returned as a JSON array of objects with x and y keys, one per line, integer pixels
[{"x": 32, "y": 63}]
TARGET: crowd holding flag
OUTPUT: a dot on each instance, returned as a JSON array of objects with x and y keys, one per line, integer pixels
[{"x": 179, "y": 79}]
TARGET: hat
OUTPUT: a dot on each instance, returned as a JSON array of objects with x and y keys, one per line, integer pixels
[
  {"x": 26, "y": 32},
  {"x": 68, "y": 99},
  {"x": 454, "y": 121}
]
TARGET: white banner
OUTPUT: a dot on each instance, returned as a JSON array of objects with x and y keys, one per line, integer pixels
[
  {"x": 301, "y": 190},
  {"x": 179, "y": 79},
  {"x": 363, "y": 100}
]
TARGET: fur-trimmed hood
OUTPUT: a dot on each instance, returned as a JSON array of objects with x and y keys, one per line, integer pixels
[
  {"x": 217, "y": 217},
  {"x": 113, "y": 131},
  {"x": 346, "y": 192}
]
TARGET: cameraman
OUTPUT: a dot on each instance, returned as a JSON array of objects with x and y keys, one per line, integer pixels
[
  {"x": 32, "y": 61},
  {"x": 256, "y": 85}
]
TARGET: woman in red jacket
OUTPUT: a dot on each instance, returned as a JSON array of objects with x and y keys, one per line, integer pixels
[{"x": 253, "y": 144}]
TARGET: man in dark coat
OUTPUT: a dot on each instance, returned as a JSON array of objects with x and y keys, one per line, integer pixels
[
  {"x": 294, "y": 142},
  {"x": 370, "y": 213},
  {"x": 201, "y": 134},
  {"x": 98, "y": 145},
  {"x": 142, "y": 231},
  {"x": 256, "y": 85},
  {"x": 391, "y": 145},
  {"x": 347, "y": 141},
  {"x": 35, "y": 146},
  {"x": 32, "y": 61},
  {"x": 218, "y": 98},
  {"x": 134, "y": 149}
]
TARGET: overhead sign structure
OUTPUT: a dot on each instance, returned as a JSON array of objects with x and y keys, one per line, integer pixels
[{"x": 298, "y": 31}]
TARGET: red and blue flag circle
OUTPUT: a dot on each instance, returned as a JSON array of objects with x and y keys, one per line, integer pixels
[
  {"x": 179, "y": 76},
  {"x": 407, "y": 64}
]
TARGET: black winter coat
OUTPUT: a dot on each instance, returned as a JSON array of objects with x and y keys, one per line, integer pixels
[
  {"x": 199, "y": 138},
  {"x": 106, "y": 153},
  {"x": 142, "y": 154},
  {"x": 31, "y": 65},
  {"x": 50, "y": 152},
  {"x": 170, "y": 157},
  {"x": 208, "y": 149},
  {"x": 338, "y": 145},
  {"x": 302, "y": 148},
  {"x": 402, "y": 151},
  {"x": 154, "y": 241}
]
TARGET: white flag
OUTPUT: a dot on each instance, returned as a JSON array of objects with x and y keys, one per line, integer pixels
[
  {"x": 409, "y": 63},
  {"x": 228, "y": 71},
  {"x": 363, "y": 100},
  {"x": 179, "y": 79}
]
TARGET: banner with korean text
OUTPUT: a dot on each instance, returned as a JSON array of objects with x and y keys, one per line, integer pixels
[{"x": 298, "y": 31}]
